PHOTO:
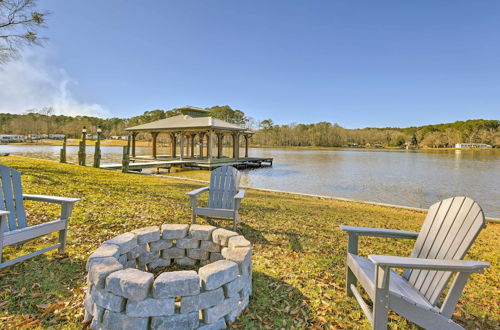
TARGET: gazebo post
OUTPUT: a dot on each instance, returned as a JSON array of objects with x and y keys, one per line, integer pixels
[
  {"x": 134, "y": 134},
  {"x": 201, "y": 136},
  {"x": 154, "y": 135},
  {"x": 173, "y": 144},
  {"x": 246, "y": 144},
  {"x": 210, "y": 146},
  {"x": 192, "y": 144},
  {"x": 220, "y": 139},
  {"x": 236, "y": 145},
  {"x": 181, "y": 146}
]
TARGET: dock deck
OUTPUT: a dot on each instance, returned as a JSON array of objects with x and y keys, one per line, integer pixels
[{"x": 143, "y": 162}]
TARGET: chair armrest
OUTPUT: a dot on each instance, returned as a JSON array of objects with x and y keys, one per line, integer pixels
[
  {"x": 198, "y": 191},
  {"x": 3, "y": 213},
  {"x": 380, "y": 232},
  {"x": 50, "y": 199},
  {"x": 430, "y": 264},
  {"x": 240, "y": 194}
]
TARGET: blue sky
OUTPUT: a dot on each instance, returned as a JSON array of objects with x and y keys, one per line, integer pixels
[{"x": 356, "y": 63}]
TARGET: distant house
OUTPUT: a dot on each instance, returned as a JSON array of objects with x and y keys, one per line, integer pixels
[
  {"x": 56, "y": 136},
  {"x": 472, "y": 145},
  {"x": 38, "y": 136},
  {"x": 119, "y": 137},
  {"x": 7, "y": 138}
]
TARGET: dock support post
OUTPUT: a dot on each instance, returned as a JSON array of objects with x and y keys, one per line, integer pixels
[
  {"x": 134, "y": 135},
  {"x": 126, "y": 158},
  {"x": 63, "y": 151},
  {"x": 81, "y": 149},
  {"x": 154, "y": 135},
  {"x": 97, "y": 152}
]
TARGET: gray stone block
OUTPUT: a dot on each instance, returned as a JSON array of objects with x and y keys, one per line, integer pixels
[
  {"x": 108, "y": 300},
  {"x": 120, "y": 321},
  {"x": 212, "y": 314},
  {"x": 125, "y": 242},
  {"x": 130, "y": 283},
  {"x": 123, "y": 259},
  {"x": 148, "y": 257},
  {"x": 185, "y": 261},
  {"x": 210, "y": 246},
  {"x": 218, "y": 273},
  {"x": 98, "y": 312},
  {"x": 221, "y": 236},
  {"x": 198, "y": 254},
  {"x": 172, "y": 253},
  {"x": 233, "y": 288},
  {"x": 96, "y": 325},
  {"x": 137, "y": 251},
  {"x": 147, "y": 234},
  {"x": 131, "y": 263},
  {"x": 174, "y": 231},
  {"x": 237, "y": 242},
  {"x": 201, "y": 232},
  {"x": 100, "y": 268},
  {"x": 203, "y": 300},
  {"x": 187, "y": 243},
  {"x": 214, "y": 256},
  {"x": 159, "y": 263},
  {"x": 175, "y": 284},
  {"x": 103, "y": 251},
  {"x": 160, "y": 245},
  {"x": 242, "y": 256},
  {"x": 150, "y": 307},
  {"x": 204, "y": 262},
  {"x": 176, "y": 322},
  {"x": 217, "y": 325}
]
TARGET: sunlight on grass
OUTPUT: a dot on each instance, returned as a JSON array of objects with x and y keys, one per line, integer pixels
[{"x": 299, "y": 251}]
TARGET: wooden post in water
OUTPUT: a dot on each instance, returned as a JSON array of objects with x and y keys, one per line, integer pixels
[
  {"x": 97, "y": 152},
  {"x": 81, "y": 148},
  {"x": 62, "y": 155},
  {"x": 155, "y": 136}
]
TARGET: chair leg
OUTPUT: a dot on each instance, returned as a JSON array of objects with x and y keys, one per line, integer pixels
[
  {"x": 350, "y": 279},
  {"x": 380, "y": 316},
  {"x": 193, "y": 218},
  {"x": 62, "y": 240}
]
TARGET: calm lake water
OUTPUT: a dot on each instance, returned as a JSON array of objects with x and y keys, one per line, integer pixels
[{"x": 410, "y": 178}]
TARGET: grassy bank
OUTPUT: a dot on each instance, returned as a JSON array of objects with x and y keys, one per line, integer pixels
[{"x": 299, "y": 252}]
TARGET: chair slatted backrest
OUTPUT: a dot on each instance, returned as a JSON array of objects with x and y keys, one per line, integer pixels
[
  {"x": 450, "y": 228},
  {"x": 224, "y": 183},
  {"x": 11, "y": 197}
]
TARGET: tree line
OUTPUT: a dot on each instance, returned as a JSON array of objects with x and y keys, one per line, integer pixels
[
  {"x": 325, "y": 134},
  {"x": 322, "y": 134}
]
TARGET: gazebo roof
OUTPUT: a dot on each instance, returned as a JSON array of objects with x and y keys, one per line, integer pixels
[{"x": 187, "y": 121}]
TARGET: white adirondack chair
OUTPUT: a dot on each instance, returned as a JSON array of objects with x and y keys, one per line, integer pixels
[
  {"x": 13, "y": 226},
  {"x": 449, "y": 230},
  {"x": 224, "y": 197}
]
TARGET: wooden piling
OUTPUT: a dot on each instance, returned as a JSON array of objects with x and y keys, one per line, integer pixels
[{"x": 62, "y": 156}]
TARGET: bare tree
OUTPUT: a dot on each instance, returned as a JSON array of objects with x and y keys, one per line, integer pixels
[{"x": 19, "y": 22}]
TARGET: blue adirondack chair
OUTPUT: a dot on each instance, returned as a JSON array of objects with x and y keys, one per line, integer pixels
[{"x": 14, "y": 228}]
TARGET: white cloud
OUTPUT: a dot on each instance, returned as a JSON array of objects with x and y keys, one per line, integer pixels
[{"x": 31, "y": 82}]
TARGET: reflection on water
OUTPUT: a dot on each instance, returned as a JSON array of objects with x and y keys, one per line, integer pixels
[{"x": 412, "y": 178}]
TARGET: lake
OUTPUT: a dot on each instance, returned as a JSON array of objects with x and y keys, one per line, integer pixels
[{"x": 410, "y": 178}]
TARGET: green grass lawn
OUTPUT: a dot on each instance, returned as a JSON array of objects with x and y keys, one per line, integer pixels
[{"x": 299, "y": 251}]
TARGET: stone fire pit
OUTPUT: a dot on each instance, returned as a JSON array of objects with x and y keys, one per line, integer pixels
[{"x": 123, "y": 293}]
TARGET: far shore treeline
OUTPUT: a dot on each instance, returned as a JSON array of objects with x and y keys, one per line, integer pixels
[{"x": 322, "y": 134}]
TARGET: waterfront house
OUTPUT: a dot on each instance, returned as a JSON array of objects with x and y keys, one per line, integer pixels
[
  {"x": 8, "y": 138},
  {"x": 472, "y": 145}
]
